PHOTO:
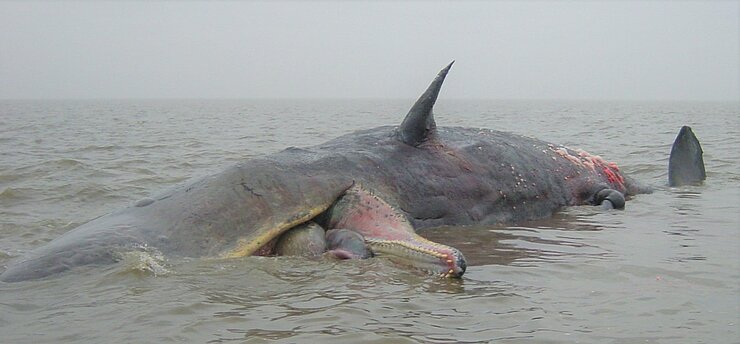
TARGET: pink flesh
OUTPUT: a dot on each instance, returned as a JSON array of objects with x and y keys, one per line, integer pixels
[
  {"x": 342, "y": 254},
  {"x": 370, "y": 216},
  {"x": 363, "y": 212}
]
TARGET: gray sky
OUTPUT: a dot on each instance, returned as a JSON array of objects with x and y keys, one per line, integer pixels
[{"x": 504, "y": 50}]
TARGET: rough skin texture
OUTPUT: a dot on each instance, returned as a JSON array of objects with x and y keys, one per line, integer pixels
[{"x": 458, "y": 176}]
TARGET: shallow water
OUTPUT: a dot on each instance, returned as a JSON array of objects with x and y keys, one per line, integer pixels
[{"x": 665, "y": 270}]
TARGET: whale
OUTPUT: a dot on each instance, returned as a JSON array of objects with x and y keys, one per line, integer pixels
[
  {"x": 373, "y": 190},
  {"x": 686, "y": 162}
]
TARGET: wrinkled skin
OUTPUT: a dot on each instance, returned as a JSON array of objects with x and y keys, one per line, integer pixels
[
  {"x": 414, "y": 177},
  {"x": 460, "y": 176}
]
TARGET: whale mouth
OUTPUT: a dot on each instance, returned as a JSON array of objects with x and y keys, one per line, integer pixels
[
  {"x": 310, "y": 240},
  {"x": 436, "y": 258},
  {"x": 409, "y": 250},
  {"x": 361, "y": 225},
  {"x": 388, "y": 233},
  {"x": 382, "y": 230}
]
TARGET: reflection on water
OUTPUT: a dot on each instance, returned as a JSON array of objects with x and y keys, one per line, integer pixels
[
  {"x": 665, "y": 270},
  {"x": 547, "y": 240}
]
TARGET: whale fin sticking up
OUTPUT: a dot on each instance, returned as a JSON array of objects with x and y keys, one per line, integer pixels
[
  {"x": 686, "y": 164},
  {"x": 419, "y": 122}
]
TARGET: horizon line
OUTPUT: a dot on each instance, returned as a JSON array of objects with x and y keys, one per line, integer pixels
[{"x": 370, "y": 98}]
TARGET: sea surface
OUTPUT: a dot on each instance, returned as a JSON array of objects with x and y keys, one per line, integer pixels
[{"x": 665, "y": 270}]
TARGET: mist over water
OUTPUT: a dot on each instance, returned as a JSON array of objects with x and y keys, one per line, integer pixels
[
  {"x": 665, "y": 270},
  {"x": 685, "y": 50}
]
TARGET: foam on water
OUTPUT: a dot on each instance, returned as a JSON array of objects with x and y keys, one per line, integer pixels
[{"x": 145, "y": 261}]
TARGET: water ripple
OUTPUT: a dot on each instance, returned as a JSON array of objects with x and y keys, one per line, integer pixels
[{"x": 663, "y": 270}]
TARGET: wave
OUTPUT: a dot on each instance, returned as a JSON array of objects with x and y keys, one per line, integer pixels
[
  {"x": 143, "y": 261},
  {"x": 13, "y": 194}
]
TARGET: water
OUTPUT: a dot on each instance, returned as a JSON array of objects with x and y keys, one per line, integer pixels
[{"x": 665, "y": 270}]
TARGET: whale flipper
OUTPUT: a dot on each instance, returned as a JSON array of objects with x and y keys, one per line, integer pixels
[{"x": 686, "y": 164}]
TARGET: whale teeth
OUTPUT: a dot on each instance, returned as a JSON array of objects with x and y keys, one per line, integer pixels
[{"x": 412, "y": 247}]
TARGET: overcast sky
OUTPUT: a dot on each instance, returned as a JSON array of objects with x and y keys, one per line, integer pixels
[{"x": 504, "y": 50}]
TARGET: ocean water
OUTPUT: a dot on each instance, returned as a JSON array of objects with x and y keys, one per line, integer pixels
[{"x": 665, "y": 270}]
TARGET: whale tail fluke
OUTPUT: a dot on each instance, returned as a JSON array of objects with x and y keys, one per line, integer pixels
[{"x": 686, "y": 164}]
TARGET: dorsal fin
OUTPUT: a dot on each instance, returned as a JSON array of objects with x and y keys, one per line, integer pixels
[{"x": 420, "y": 120}]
